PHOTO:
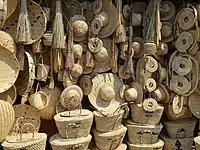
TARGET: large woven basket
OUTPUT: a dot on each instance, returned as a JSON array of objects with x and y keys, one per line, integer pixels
[
  {"x": 139, "y": 115},
  {"x": 174, "y": 144},
  {"x": 109, "y": 140},
  {"x": 180, "y": 128},
  {"x": 106, "y": 123},
  {"x": 28, "y": 141},
  {"x": 59, "y": 143},
  {"x": 197, "y": 142},
  {"x": 138, "y": 134},
  {"x": 157, "y": 146},
  {"x": 7, "y": 117},
  {"x": 72, "y": 124}
]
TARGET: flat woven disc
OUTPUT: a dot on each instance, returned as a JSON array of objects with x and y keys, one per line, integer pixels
[
  {"x": 184, "y": 41},
  {"x": 182, "y": 66},
  {"x": 180, "y": 85},
  {"x": 186, "y": 18}
]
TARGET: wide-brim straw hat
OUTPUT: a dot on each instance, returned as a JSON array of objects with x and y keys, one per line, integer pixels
[
  {"x": 101, "y": 98},
  {"x": 29, "y": 115},
  {"x": 167, "y": 11},
  {"x": 9, "y": 69},
  {"x": 8, "y": 42},
  {"x": 37, "y": 18},
  {"x": 71, "y": 97},
  {"x": 161, "y": 93},
  {"x": 10, "y": 95},
  {"x": 167, "y": 32},
  {"x": 112, "y": 20},
  {"x": 104, "y": 65}
]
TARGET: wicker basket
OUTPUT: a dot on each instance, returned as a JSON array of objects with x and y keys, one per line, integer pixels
[
  {"x": 59, "y": 143},
  {"x": 174, "y": 144},
  {"x": 106, "y": 123},
  {"x": 197, "y": 142},
  {"x": 7, "y": 117},
  {"x": 28, "y": 141},
  {"x": 180, "y": 128},
  {"x": 157, "y": 146},
  {"x": 121, "y": 147},
  {"x": 72, "y": 124},
  {"x": 139, "y": 134},
  {"x": 139, "y": 115},
  {"x": 109, "y": 140}
]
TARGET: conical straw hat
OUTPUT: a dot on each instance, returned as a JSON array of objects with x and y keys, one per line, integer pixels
[{"x": 37, "y": 18}]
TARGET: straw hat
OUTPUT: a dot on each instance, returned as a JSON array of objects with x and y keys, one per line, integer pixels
[
  {"x": 193, "y": 102},
  {"x": 8, "y": 42},
  {"x": 122, "y": 74},
  {"x": 10, "y": 95},
  {"x": 151, "y": 64},
  {"x": 85, "y": 83},
  {"x": 103, "y": 57},
  {"x": 150, "y": 105},
  {"x": 80, "y": 28},
  {"x": 167, "y": 10},
  {"x": 95, "y": 45},
  {"x": 105, "y": 92},
  {"x": 76, "y": 71},
  {"x": 161, "y": 93},
  {"x": 167, "y": 32},
  {"x": 68, "y": 80},
  {"x": 138, "y": 46},
  {"x": 71, "y": 97},
  {"x": 9, "y": 69},
  {"x": 78, "y": 51},
  {"x": 37, "y": 18},
  {"x": 105, "y": 22},
  {"x": 126, "y": 11},
  {"x": 30, "y": 115}
]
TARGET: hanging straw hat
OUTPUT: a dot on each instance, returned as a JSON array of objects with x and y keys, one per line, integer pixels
[
  {"x": 71, "y": 97},
  {"x": 9, "y": 69},
  {"x": 76, "y": 71},
  {"x": 103, "y": 57},
  {"x": 8, "y": 42},
  {"x": 80, "y": 28},
  {"x": 85, "y": 83},
  {"x": 105, "y": 23},
  {"x": 161, "y": 93},
  {"x": 37, "y": 20},
  {"x": 167, "y": 10},
  {"x": 105, "y": 92},
  {"x": 97, "y": 6},
  {"x": 10, "y": 95},
  {"x": 193, "y": 102},
  {"x": 167, "y": 32},
  {"x": 30, "y": 115}
]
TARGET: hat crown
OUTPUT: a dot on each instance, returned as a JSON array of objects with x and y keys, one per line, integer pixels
[
  {"x": 131, "y": 94},
  {"x": 107, "y": 92},
  {"x": 80, "y": 28}
]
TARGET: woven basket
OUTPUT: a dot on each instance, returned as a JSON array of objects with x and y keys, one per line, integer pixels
[
  {"x": 180, "y": 128},
  {"x": 139, "y": 115},
  {"x": 10, "y": 95},
  {"x": 7, "y": 117},
  {"x": 72, "y": 124},
  {"x": 121, "y": 147},
  {"x": 157, "y": 146},
  {"x": 106, "y": 123},
  {"x": 138, "y": 134},
  {"x": 197, "y": 142},
  {"x": 174, "y": 144},
  {"x": 59, "y": 143},
  {"x": 109, "y": 140},
  {"x": 28, "y": 141}
]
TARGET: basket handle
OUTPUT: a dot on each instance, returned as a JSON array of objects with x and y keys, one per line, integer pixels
[
  {"x": 27, "y": 125},
  {"x": 73, "y": 125},
  {"x": 124, "y": 107},
  {"x": 116, "y": 121}
]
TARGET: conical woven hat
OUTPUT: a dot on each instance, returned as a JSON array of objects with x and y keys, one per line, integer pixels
[
  {"x": 168, "y": 10},
  {"x": 9, "y": 69},
  {"x": 37, "y": 18},
  {"x": 105, "y": 92},
  {"x": 10, "y": 95}
]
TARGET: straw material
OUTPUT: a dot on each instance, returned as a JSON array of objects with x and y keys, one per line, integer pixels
[
  {"x": 11, "y": 5},
  {"x": 197, "y": 142},
  {"x": 59, "y": 143},
  {"x": 9, "y": 69},
  {"x": 139, "y": 115},
  {"x": 193, "y": 102},
  {"x": 53, "y": 96},
  {"x": 121, "y": 147},
  {"x": 157, "y": 146},
  {"x": 167, "y": 11},
  {"x": 7, "y": 117},
  {"x": 109, "y": 140},
  {"x": 35, "y": 12},
  {"x": 8, "y": 42},
  {"x": 174, "y": 144},
  {"x": 10, "y": 95},
  {"x": 139, "y": 134},
  {"x": 74, "y": 126},
  {"x": 30, "y": 115},
  {"x": 85, "y": 83},
  {"x": 180, "y": 128},
  {"x": 110, "y": 122},
  {"x": 167, "y": 32}
]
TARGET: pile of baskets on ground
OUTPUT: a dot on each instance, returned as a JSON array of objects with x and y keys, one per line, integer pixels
[{"x": 99, "y": 75}]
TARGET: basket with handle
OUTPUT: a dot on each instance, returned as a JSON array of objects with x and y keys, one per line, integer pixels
[{"x": 28, "y": 141}]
